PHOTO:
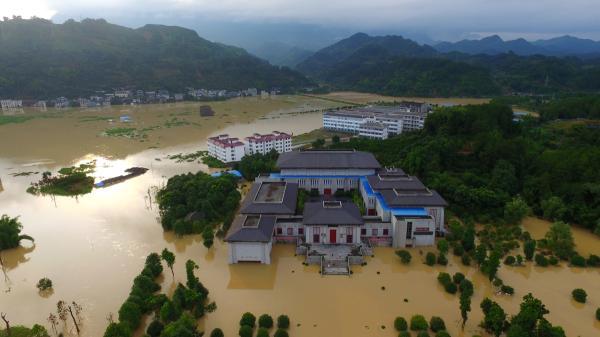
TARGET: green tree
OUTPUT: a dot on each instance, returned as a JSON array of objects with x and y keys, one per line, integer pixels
[
  {"x": 130, "y": 314},
  {"x": 480, "y": 254},
  {"x": 465, "y": 306},
  {"x": 418, "y": 323},
  {"x": 280, "y": 333},
  {"x": 560, "y": 240},
  {"x": 262, "y": 332},
  {"x": 404, "y": 256},
  {"x": 494, "y": 320},
  {"x": 430, "y": 259},
  {"x": 245, "y": 331},
  {"x": 169, "y": 259},
  {"x": 216, "y": 333},
  {"x": 265, "y": 321},
  {"x": 492, "y": 264},
  {"x": 515, "y": 210},
  {"x": 443, "y": 246},
  {"x": 579, "y": 295},
  {"x": 529, "y": 249},
  {"x": 318, "y": 143},
  {"x": 10, "y": 232},
  {"x": 283, "y": 322},
  {"x": 400, "y": 324},
  {"x": 248, "y": 319},
  {"x": 184, "y": 326},
  {"x": 208, "y": 237},
  {"x": 117, "y": 330},
  {"x": 553, "y": 208},
  {"x": 335, "y": 139},
  {"x": 168, "y": 312},
  {"x": 155, "y": 328},
  {"x": 437, "y": 324}
]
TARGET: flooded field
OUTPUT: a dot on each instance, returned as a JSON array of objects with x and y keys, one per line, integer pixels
[
  {"x": 363, "y": 98},
  {"x": 93, "y": 246}
]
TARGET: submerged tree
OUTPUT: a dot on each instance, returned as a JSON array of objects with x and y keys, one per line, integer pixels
[
  {"x": 169, "y": 259},
  {"x": 10, "y": 232},
  {"x": 560, "y": 240}
]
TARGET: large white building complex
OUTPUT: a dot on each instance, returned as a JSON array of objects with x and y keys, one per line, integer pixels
[
  {"x": 378, "y": 121},
  {"x": 338, "y": 198},
  {"x": 228, "y": 149}
]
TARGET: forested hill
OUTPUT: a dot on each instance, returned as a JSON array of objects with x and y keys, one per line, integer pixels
[
  {"x": 40, "y": 59},
  {"x": 396, "y": 66}
]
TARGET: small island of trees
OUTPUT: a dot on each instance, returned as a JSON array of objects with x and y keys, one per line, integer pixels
[
  {"x": 10, "y": 232},
  {"x": 70, "y": 181}
]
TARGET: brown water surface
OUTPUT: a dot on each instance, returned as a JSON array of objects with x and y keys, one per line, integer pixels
[{"x": 94, "y": 245}]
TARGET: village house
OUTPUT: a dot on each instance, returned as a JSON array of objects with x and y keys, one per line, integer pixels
[
  {"x": 226, "y": 149},
  {"x": 334, "y": 199}
]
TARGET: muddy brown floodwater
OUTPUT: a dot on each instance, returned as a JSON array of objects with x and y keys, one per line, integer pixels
[{"x": 93, "y": 246}]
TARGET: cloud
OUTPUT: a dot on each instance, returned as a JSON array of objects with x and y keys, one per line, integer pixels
[{"x": 437, "y": 17}]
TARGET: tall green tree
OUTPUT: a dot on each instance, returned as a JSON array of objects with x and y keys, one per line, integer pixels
[
  {"x": 169, "y": 259},
  {"x": 560, "y": 240},
  {"x": 10, "y": 232}
]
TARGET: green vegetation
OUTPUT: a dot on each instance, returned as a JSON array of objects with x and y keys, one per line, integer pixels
[
  {"x": 478, "y": 159},
  {"x": 211, "y": 200},
  {"x": 559, "y": 240},
  {"x": 10, "y": 232},
  {"x": 418, "y": 323},
  {"x": 265, "y": 321},
  {"x": 21, "y": 331},
  {"x": 404, "y": 256},
  {"x": 529, "y": 321},
  {"x": 44, "y": 284},
  {"x": 248, "y": 319},
  {"x": 283, "y": 322},
  {"x": 253, "y": 165},
  {"x": 430, "y": 258},
  {"x": 217, "y": 333},
  {"x": 188, "y": 157},
  {"x": 82, "y": 57},
  {"x": 400, "y": 324},
  {"x": 579, "y": 295},
  {"x": 14, "y": 119},
  {"x": 122, "y": 132},
  {"x": 213, "y": 162},
  {"x": 169, "y": 258},
  {"x": 598, "y": 314},
  {"x": 71, "y": 181},
  {"x": 437, "y": 324}
]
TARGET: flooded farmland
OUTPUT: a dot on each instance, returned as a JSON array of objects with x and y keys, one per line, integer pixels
[{"x": 94, "y": 245}]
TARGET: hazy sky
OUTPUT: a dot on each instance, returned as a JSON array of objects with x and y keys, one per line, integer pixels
[{"x": 437, "y": 19}]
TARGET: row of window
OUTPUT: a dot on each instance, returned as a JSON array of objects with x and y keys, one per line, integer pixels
[{"x": 363, "y": 231}]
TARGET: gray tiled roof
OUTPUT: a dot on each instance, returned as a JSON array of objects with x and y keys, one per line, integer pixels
[
  {"x": 261, "y": 233},
  {"x": 427, "y": 198},
  {"x": 396, "y": 182},
  {"x": 316, "y": 214},
  {"x": 336, "y": 159},
  {"x": 287, "y": 206}
]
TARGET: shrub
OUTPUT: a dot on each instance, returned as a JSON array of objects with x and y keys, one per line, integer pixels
[
  {"x": 507, "y": 290},
  {"x": 418, "y": 323},
  {"x": 44, "y": 284},
  {"x": 156, "y": 327},
  {"x": 509, "y": 260},
  {"x": 248, "y": 319},
  {"x": 265, "y": 321},
  {"x": 444, "y": 278},
  {"x": 519, "y": 260},
  {"x": 578, "y": 260},
  {"x": 404, "y": 334},
  {"x": 404, "y": 256},
  {"x": 497, "y": 282},
  {"x": 216, "y": 333},
  {"x": 529, "y": 249},
  {"x": 283, "y": 322},
  {"x": 422, "y": 334},
  {"x": 442, "y": 333},
  {"x": 437, "y": 324},
  {"x": 465, "y": 259},
  {"x": 593, "y": 261},
  {"x": 442, "y": 260},
  {"x": 579, "y": 295},
  {"x": 458, "y": 278},
  {"x": 245, "y": 331},
  {"x": 262, "y": 332},
  {"x": 400, "y": 324},
  {"x": 430, "y": 259},
  {"x": 280, "y": 333},
  {"x": 458, "y": 250},
  {"x": 541, "y": 260},
  {"x": 552, "y": 260},
  {"x": 451, "y": 288}
]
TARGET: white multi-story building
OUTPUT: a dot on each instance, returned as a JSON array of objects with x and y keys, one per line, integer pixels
[
  {"x": 263, "y": 144},
  {"x": 397, "y": 119},
  {"x": 11, "y": 104},
  {"x": 371, "y": 129},
  {"x": 225, "y": 148}
]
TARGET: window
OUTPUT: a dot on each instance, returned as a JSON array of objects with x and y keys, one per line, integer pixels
[
  {"x": 374, "y": 232},
  {"x": 300, "y": 231},
  {"x": 290, "y": 231},
  {"x": 363, "y": 231},
  {"x": 409, "y": 230},
  {"x": 279, "y": 230},
  {"x": 386, "y": 232}
]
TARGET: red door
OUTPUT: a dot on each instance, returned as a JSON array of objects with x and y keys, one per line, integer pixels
[
  {"x": 327, "y": 191},
  {"x": 332, "y": 236}
]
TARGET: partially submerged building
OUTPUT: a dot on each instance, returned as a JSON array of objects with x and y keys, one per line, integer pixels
[{"x": 331, "y": 198}]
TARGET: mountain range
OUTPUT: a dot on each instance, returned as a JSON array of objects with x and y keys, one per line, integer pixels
[
  {"x": 40, "y": 59},
  {"x": 397, "y": 66},
  {"x": 492, "y": 45}
]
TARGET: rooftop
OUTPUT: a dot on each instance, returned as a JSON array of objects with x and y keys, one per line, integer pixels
[
  {"x": 271, "y": 198},
  {"x": 332, "y": 213},
  {"x": 251, "y": 228},
  {"x": 225, "y": 141},
  {"x": 276, "y": 135},
  {"x": 327, "y": 159}
]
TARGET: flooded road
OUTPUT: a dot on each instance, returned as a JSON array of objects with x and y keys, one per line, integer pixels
[{"x": 93, "y": 246}]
